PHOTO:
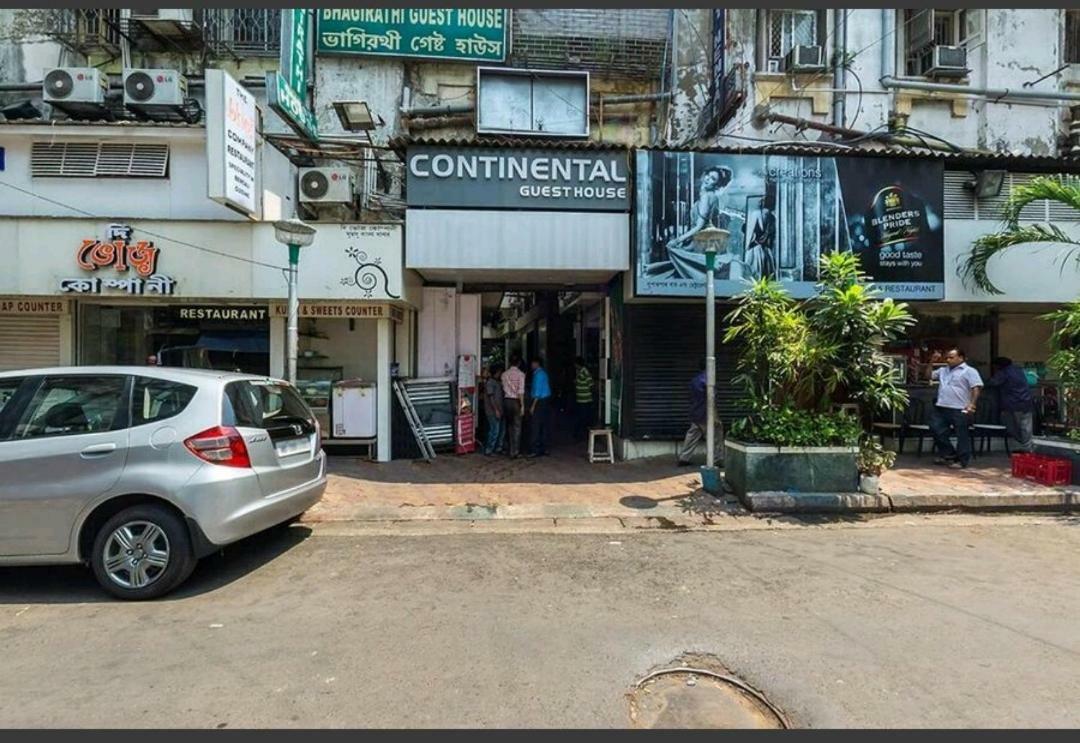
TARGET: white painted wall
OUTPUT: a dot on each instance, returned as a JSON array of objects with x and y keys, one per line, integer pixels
[
  {"x": 437, "y": 334},
  {"x": 180, "y": 196},
  {"x": 1026, "y": 273}
]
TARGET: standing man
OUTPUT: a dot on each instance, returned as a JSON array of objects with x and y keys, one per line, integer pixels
[
  {"x": 958, "y": 392},
  {"x": 540, "y": 409},
  {"x": 697, "y": 434},
  {"x": 513, "y": 387},
  {"x": 1016, "y": 403},
  {"x": 583, "y": 399},
  {"x": 493, "y": 410}
]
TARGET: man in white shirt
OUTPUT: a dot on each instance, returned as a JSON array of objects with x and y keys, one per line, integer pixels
[
  {"x": 513, "y": 384},
  {"x": 958, "y": 392}
]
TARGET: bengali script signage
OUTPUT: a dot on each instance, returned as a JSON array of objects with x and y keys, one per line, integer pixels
[
  {"x": 473, "y": 34},
  {"x": 134, "y": 262},
  {"x": 286, "y": 91}
]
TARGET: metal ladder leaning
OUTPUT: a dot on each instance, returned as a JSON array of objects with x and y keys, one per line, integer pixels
[{"x": 422, "y": 440}]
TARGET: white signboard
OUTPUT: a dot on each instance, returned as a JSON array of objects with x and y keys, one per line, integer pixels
[{"x": 231, "y": 132}]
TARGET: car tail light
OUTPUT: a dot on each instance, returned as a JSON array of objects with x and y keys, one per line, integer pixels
[
  {"x": 318, "y": 436},
  {"x": 220, "y": 445}
]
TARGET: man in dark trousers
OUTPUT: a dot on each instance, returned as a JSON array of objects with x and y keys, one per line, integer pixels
[
  {"x": 513, "y": 384},
  {"x": 697, "y": 434},
  {"x": 959, "y": 386},
  {"x": 583, "y": 399},
  {"x": 539, "y": 409},
  {"x": 1015, "y": 402}
]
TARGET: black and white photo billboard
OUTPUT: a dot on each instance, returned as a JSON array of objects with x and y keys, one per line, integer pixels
[{"x": 783, "y": 212}]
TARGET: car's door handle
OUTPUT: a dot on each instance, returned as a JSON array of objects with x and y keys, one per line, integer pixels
[{"x": 97, "y": 450}]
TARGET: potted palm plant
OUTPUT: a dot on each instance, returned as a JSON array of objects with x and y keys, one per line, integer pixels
[{"x": 798, "y": 362}]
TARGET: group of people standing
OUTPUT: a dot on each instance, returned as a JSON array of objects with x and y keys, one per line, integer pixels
[{"x": 506, "y": 404}]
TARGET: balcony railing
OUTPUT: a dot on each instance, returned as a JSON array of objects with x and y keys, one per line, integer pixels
[
  {"x": 243, "y": 32},
  {"x": 84, "y": 30}
]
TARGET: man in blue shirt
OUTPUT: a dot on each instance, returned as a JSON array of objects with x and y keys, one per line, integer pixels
[
  {"x": 958, "y": 395},
  {"x": 1015, "y": 402},
  {"x": 540, "y": 409}
]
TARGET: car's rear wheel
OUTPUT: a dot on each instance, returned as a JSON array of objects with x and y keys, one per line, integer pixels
[{"x": 142, "y": 552}]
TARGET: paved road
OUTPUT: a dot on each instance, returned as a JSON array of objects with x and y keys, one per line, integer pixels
[{"x": 940, "y": 623}]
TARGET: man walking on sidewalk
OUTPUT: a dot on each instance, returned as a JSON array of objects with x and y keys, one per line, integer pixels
[
  {"x": 697, "y": 434},
  {"x": 540, "y": 409},
  {"x": 958, "y": 392},
  {"x": 513, "y": 385},
  {"x": 1016, "y": 404}
]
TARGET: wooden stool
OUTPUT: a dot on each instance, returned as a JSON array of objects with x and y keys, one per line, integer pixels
[{"x": 608, "y": 455}]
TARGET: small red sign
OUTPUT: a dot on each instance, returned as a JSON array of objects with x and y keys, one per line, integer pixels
[{"x": 466, "y": 434}]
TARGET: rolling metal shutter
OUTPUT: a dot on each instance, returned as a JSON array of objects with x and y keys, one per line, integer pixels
[
  {"x": 664, "y": 346},
  {"x": 28, "y": 341}
]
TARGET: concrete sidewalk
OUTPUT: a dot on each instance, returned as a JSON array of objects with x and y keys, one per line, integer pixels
[{"x": 652, "y": 492}]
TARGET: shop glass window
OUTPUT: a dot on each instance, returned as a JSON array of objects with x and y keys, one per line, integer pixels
[
  {"x": 68, "y": 406},
  {"x": 159, "y": 399}
]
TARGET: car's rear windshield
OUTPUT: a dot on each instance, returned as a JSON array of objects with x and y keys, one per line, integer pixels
[{"x": 259, "y": 404}]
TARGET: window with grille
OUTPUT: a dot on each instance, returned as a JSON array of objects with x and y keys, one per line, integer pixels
[
  {"x": 781, "y": 30},
  {"x": 1072, "y": 36},
  {"x": 925, "y": 28},
  {"x": 99, "y": 160}
]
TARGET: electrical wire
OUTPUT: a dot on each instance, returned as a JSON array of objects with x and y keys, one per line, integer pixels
[
  {"x": 858, "y": 107},
  {"x": 158, "y": 235}
]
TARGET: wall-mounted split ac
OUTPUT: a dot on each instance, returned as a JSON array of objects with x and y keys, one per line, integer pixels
[
  {"x": 154, "y": 89},
  {"x": 326, "y": 186},
  {"x": 78, "y": 91}
]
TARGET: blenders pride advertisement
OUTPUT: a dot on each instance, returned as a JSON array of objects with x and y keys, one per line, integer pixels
[{"x": 783, "y": 213}]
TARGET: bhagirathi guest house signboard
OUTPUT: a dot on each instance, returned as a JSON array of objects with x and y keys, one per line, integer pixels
[
  {"x": 466, "y": 34},
  {"x": 286, "y": 90}
]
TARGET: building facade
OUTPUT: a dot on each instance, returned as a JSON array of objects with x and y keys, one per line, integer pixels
[{"x": 529, "y": 182}]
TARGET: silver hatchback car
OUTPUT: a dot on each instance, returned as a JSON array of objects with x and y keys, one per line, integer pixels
[{"x": 141, "y": 471}]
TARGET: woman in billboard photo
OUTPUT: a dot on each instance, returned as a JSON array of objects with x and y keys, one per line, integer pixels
[{"x": 710, "y": 208}]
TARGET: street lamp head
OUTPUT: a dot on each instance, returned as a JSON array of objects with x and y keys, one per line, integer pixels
[
  {"x": 294, "y": 232},
  {"x": 355, "y": 116},
  {"x": 712, "y": 239}
]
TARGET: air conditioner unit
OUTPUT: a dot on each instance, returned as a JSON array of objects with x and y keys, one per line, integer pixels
[
  {"x": 75, "y": 85},
  {"x": 149, "y": 89},
  {"x": 326, "y": 186},
  {"x": 944, "y": 61},
  {"x": 805, "y": 59}
]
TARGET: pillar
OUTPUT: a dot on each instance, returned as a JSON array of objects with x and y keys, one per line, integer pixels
[
  {"x": 277, "y": 347},
  {"x": 384, "y": 356}
]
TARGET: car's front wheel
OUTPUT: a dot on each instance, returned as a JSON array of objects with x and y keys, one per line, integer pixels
[{"x": 142, "y": 552}]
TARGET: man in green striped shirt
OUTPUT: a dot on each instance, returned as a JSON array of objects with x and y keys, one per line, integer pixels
[{"x": 583, "y": 399}]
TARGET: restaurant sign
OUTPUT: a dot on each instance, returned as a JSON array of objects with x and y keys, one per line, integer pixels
[
  {"x": 494, "y": 178},
  {"x": 125, "y": 257},
  {"x": 466, "y": 34}
]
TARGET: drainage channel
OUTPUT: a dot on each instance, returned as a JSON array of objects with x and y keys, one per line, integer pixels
[{"x": 691, "y": 697}]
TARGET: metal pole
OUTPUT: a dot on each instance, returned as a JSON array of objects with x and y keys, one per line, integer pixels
[
  {"x": 293, "y": 333},
  {"x": 710, "y": 359}
]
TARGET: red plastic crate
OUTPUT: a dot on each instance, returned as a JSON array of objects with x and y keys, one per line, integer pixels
[
  {"x": 1053, "y": 471},
  {"x": 1024, "y": 465}
]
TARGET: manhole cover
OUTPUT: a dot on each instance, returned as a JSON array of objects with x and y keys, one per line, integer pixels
[{"x": 700, "y": 698}]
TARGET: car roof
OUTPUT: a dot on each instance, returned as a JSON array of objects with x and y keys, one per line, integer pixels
[{"x": 161, "y": 372}]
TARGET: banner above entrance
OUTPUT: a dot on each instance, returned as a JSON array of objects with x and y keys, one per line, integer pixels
[{"x": 505, "y": 178}]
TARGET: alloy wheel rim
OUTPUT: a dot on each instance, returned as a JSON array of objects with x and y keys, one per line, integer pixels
[{"x": 136, "y": 554}]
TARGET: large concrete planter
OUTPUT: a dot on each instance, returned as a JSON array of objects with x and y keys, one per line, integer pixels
[
  {"x": 819, "y": 477},
  {"x": 1055, "y": 447}
]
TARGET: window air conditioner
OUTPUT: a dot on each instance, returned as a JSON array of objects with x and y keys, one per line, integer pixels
[
  {"x": 805, "y": 59},
  {"x": 326, "y": 186},
  {"x": 944, "y": 61}
]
